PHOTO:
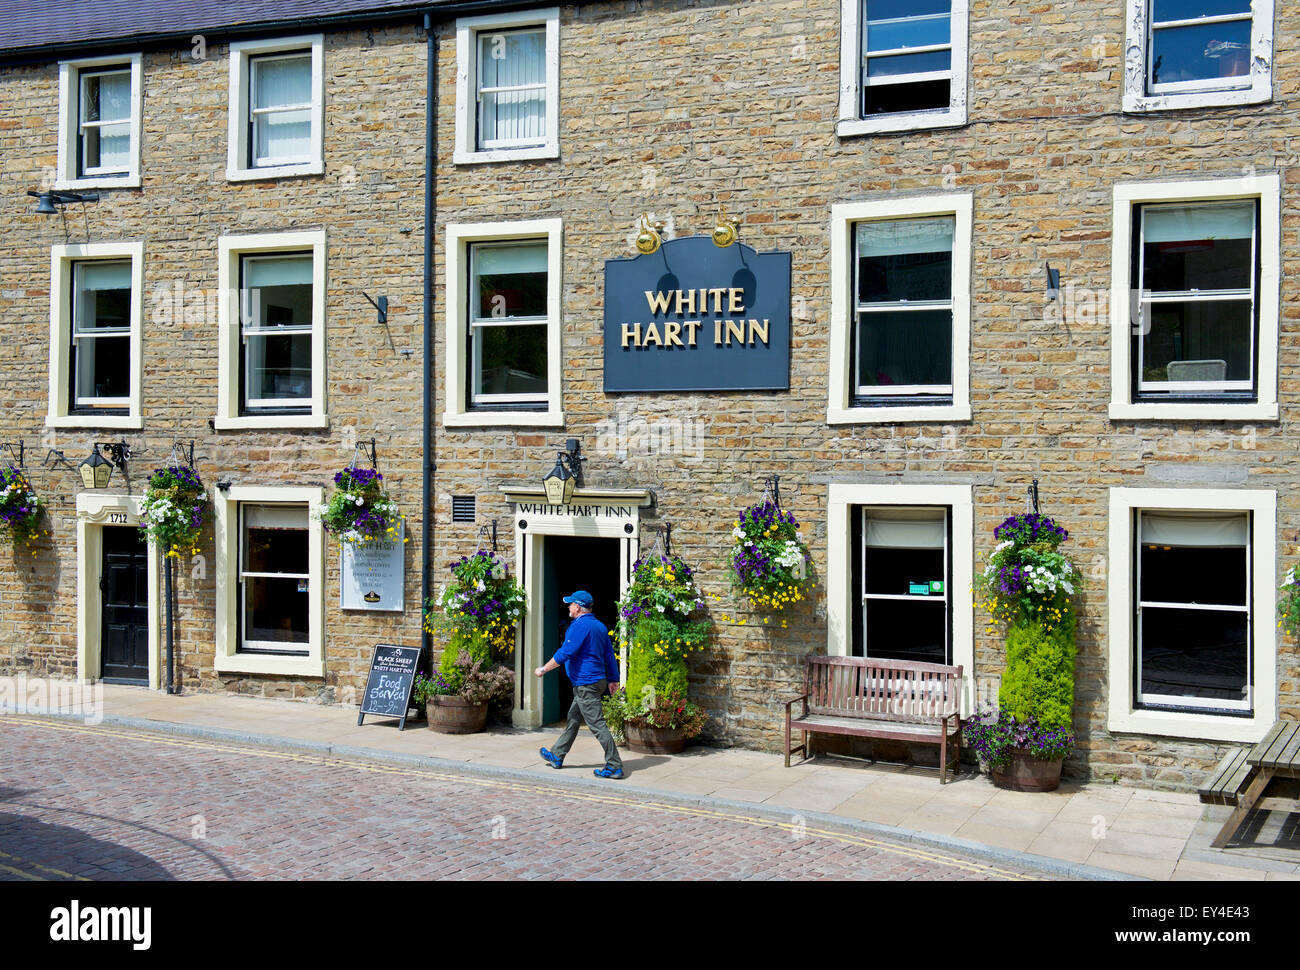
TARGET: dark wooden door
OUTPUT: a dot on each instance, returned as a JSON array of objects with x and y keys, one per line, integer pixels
[{"x": 124, "y": 587}]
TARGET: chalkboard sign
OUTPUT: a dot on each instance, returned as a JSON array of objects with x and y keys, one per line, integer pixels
[{"x": 388, "y": 688}]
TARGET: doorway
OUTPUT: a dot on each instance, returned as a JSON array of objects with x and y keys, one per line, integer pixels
[
  {"x": 571, "y": 563},
  {"x": 124, "y": 620}
]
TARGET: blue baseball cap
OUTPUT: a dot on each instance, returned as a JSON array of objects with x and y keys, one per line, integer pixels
[{"x": 581, "y": 597}]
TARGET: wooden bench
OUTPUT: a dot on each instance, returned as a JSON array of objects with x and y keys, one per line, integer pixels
[
  {"x": 893, "y": 700},
  {"x": 1244, "y": 775}
]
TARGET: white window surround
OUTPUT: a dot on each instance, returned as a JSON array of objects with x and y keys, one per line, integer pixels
[
  {"x": 94, "y": 511},
  {"x": 464, "y": 150},
  {"x": 841, "y": 603},
  {"x": 456, "y": 413},
  {"x": 1267, "y": 190},
  {"x": 1122, "y": 716},
  {"x": 61, "y": 269},
  {"x": 229, "y": 251},
  {"x": 843, "y": 218},
  {"x": 69, "y": 119},
  {"x": 225, "y": 506},
  {"x": 851, "y": 121},
  {"x": 238, "y": 168},
  {"x": 1255, "y": 88}
]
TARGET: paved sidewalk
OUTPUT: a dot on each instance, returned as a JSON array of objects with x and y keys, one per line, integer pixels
[{"x": 1081, "y": 831}]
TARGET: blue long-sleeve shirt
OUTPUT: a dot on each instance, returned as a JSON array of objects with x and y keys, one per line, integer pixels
[{"x": 587, "y": 653}]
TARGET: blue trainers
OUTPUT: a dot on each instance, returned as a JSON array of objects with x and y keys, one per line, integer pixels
[
  {"x": 609, "y": 771},
  {"x": 550, "y": 759}
]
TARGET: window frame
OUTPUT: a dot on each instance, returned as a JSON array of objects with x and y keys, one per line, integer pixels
[
  {"x": 841, "y": 598},
  {"x": 1139, "y": 96},
  {"x": 1125, "y": 403},
  {"x": 845, "y": 217},
  {"x": 240, "y": 165},
  {"x": 458, "y": 408},
  {"x": 1124, "y": 713},
  {"x": 69, "y": 173},
  {"x": 229, "y": 658},
  {"x": 852, "y": 58},
  {"x": 231, "y": 414},
  {"x": 465, "y": 148},
  {"x": 63, "y": 262},
  {"x": 245, "y": 643},
  {"x": 105, "y": 406}
]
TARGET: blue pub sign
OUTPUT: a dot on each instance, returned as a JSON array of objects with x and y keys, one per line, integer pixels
[{"x": 694, "y": 317}]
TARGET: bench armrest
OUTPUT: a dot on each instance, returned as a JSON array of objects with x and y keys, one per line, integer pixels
[{"x": 796, "y": 700}]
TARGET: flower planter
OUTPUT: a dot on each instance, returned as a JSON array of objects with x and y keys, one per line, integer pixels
[
  {"x": 652, "y": 740},
  {"x": 449, "y": 714},
  {"x": 1027, "y": 773}
]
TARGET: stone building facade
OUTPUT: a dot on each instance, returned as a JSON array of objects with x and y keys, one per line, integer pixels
[{"x": 1005, "y": 144}]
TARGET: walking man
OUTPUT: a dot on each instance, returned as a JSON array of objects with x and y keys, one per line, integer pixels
[{"x": 588, "y": 658}]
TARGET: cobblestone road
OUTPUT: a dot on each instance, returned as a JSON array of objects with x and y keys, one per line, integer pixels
[{"x": 81, "y": 802}]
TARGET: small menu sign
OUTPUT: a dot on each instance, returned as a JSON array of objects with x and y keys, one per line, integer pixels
[{"x": 388, "y": 688}]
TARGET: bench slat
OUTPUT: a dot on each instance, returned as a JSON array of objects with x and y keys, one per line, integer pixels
[
  {"x": 1285, "y": 750},
  {"x": 1228, "y": 778}
]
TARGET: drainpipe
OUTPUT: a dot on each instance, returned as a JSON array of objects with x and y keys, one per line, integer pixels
[{"x": 428, "y": 464}]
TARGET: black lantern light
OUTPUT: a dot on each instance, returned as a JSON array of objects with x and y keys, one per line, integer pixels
[
  {"x": 96, "y": 470},
  {"x": 46, "y": 202},
  {"x": 565, "y": 476}
]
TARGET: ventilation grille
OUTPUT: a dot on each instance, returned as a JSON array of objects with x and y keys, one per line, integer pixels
[{"x": 463, "y": 508}]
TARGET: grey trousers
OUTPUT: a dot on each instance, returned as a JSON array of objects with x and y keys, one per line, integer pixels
[{"x": 586, "y": 707}]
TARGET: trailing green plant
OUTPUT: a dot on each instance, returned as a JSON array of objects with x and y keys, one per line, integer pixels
[
  {"x": 360, "y": 510},
  {"x": 173, "y": 509},
  {"x": 614, "y": 707},
  {"x": 20, "y": 509},
  {"x": 482, "y": 596},
  {"x": 769, "y": 559},
  {"x": 1038, "y": 684},
  {"x": 656, "y": 657},
  {"x": 431, "y": 686},
  {"x": 671, "y": 710},
  {"x": 475, "y": 643},
  {"x": 1288, "y": 605}
]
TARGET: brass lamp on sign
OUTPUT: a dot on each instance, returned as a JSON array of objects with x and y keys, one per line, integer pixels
[
  {"x": 727, "y": 231},
  {"x": 96, "y": 470},
  {"x": 648, "y": 240},
  {"x": 559, "y": 483}
]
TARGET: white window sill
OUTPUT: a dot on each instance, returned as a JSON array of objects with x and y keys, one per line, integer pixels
[
  {"x": 1204, "y": 727},
  {"x": 254, "y": 663},
  {"x": 505, "y": 155},
  {"x": 130, "y": 180},
  {"x": 274, "y": 172},
  {"x": 897, "y": 415},
  {"x": 905, "y": 121},
  {"x": 1193, "y": 412},
  {"x": 313, "y": 421},
  {"x": 132, "y": 422},
  {"x": 1198, "y": 99},
  {"x": 503, "y": 419}
]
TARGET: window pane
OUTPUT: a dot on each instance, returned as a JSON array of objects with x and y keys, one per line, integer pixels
[
  {"x": 918, "y": 96},
  {"x": 905, "y": 259},
  {"x": 512, "y": 359},
  {"x": 107, "y": 147},
  {"x": 1213, "y": 576},
  {"x": 1203, "y": 341},
  {"x": 1163, "y": 10},
  {"x": 1200, "y": 52},
  {"x": 905, "y": 347},
  {"x": 107, "y": 97},
  {"x": 278, "y": 366},
  {"x": 912, "y": 32},
  {"x": 512, "y": 59},
  {"x": 896, "y": 571},
  {"x": 1206, "y": 247},
  {"x": 101, "y": 368},
  {"x": 276, "y": 610},
  {"x": 103, "y": 296},
  {"x": 278, "y": 291},
  {"x": 899, "y": 64},
  {"x": 275, "y": 550},
  {"x": 282, "y": 134},
  {"x": 511, "y": 281},
  {"x": 899, "y": 9},
  {"x": 906, "y": 630},
  {"x": 514, "y": 115},
  {"x": 1195, "y": 654},
  {"x": 281, "y": 81}
]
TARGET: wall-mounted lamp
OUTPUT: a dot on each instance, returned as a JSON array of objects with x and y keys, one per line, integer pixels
[
  {"x": 1053, "y": 282},
  {"x": 47, "y": 201},
  {"x": 650, "y": 238},
  {"x": 566, "y": 475},
  {"x": 96, "y": 470},
  {"x": 727, "y": 231}
]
